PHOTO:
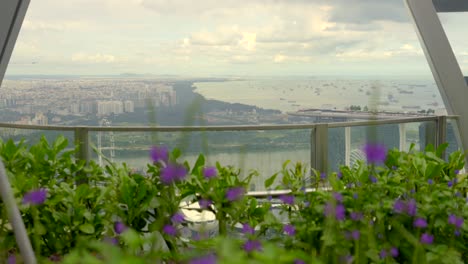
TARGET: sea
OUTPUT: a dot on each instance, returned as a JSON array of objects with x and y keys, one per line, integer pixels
[{"x": 292, "y": 95}]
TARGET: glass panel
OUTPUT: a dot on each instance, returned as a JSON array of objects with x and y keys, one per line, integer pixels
[
  {"x": 453, "y": 137},
  {"x": 420, "y": 134},
  {"x": 264, "y": 151},
  {"x": 31, "y": 136},
  {"x": 336, "y": 148},
  {"x": 391, "y": 135}
]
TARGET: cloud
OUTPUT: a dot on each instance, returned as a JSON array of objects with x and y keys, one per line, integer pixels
[
  {"x": 93, "y": 58},
  {"x": 53, "y": 26},
  {"x": 280, "y": 58},
  {"x": 367, "y": 11},
  {"x": 405, "y": 51}
]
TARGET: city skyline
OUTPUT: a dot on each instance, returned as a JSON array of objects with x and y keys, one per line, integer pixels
[{"x": 209, "y": 38}]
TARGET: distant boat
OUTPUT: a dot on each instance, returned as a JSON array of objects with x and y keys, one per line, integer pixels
[
  {"x": 282, "y": 99},
  {"x": 405, "y": 92},
  {"x": 411, "y": 107}
]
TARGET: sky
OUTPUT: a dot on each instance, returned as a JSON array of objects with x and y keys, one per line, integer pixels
[{"x": 230, "y": 37}]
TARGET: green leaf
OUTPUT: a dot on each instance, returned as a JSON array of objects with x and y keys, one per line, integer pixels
[
  {"x": 87, "y": 228},
  {"x": 270, "y": 180},
  {"x": 40, "y": 229},
  {"x": 199, "y": 163}
]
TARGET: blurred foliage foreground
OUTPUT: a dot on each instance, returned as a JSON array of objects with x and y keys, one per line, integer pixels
[{"x": 396, "y": 207}]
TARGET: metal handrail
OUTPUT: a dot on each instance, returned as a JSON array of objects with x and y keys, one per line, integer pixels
[
  {"x": 318, "y": 136},
  {"x": 222, "y": 128}
]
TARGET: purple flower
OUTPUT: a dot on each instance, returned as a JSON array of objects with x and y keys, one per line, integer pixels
[
  {"x": 159, "y": 153},
  {"x": 375, "y": 153},
  {"x": 170, "y": 230},
  {"x": 339, "y": 175},
  {"x": 35, "y": 197},
  {"x": 11, "y": 259},
  {"x": 355, "y": 234},
  {"x": 394, "y": 252},
  {"x": 306, "y": 203},
  {"x": 346, "y": 259},
  {"x": 338, "y": 197},
  {"x": 457, "y": 232},
  {"x": 55, "y": 258},
  {"x": 373, "y": 179},
  {"x": 287, "y": 199},
  {"x": 457, "y": 171},
  {"x": 111, "y": 240},
  {"x": 172, "y": 173},
  {"x": 251, "y": 245},
  {"x": 450, "y": 184},
  {"x": 119, "y": 227},
  {"x": 430, "y": 181},
  {"x": 210, "y": 172},
  {"x": 208, "y": 259},
  {"x": 340, "y": 212},
  {"x": 356, "y": 216},
  {"x": 234, "y": 194},
  {"x": 456, "y": 221},
  {"x": 247, "y": 229},
  {"x": 383, "y": 254},
  {"x": 205, "y": 203},
  {"x": 299, "y": 261},
  {"x": 427, "y": 238},
  {"x": 177, "y": 218},
  {"x": 420, "y": 223},
  {"x": 452, "y": 219},
  {"x": 399, "y": 206},
  {"x": 289, "y": 229},
  {"x": 323, "y": 176},
  {"x": 355, "y": 196},
  {"x": 411, "y": 207}
]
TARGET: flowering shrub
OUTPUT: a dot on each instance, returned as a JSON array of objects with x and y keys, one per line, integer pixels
[{"x": 395, "y": 207}]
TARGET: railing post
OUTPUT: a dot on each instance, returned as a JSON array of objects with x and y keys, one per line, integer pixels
[
  {"x": 441, "y": 137},
  {"x": 402, "y": 132},
  {"x": 430, "y": 133},
  {"x": 347, "y": 146},
  {"x": 319, "y": 148},
  {"x": 82, "y": 142}
]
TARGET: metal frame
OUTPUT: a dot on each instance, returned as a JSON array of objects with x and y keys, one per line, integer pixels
[
  {"x": 441, "y": 58},
  {"x": 12, "y": 13},
  {"x": 318, "y": 136}
]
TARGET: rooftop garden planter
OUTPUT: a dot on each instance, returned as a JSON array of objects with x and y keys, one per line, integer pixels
[{"x": 396, "y": 207}]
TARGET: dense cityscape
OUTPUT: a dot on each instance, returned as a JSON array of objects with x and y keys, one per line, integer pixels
[{"x": 45, "y": 102}]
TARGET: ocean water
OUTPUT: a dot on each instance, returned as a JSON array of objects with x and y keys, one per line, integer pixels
[{"x": 293, "y": 95}]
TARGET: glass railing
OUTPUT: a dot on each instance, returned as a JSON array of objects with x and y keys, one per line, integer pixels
[{"x": 322, "y": 146}]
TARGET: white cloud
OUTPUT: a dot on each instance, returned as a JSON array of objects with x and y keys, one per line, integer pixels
[
  {"x": 280, "y": 58},
  {"x": 54, "y": 26},
  {"x": 93, "y": 58}
]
